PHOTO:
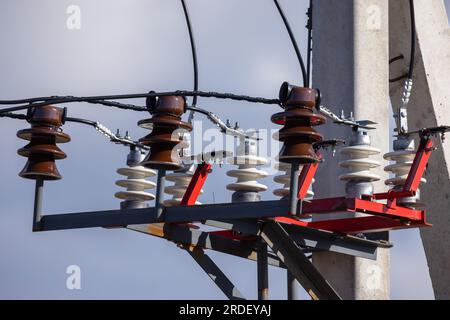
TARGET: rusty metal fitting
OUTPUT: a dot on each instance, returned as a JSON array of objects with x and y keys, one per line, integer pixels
[
  {"x": 298, "y": 119},
  {"x": 42, "y": 151},
  {"x": 167, "y": 129}
]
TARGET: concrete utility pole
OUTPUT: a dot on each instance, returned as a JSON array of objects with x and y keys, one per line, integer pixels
[
  {"x": 351, "y": 69},
  {"x": 428, "y": 107}
]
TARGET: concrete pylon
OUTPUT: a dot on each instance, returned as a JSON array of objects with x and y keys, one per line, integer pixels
[
  {"x": 428, "y": 107},
  {"x": 350, "y": 59}
]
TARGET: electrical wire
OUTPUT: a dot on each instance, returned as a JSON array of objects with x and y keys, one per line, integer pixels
[
  {"x": 117, "y": 139},
  {"x": 219, "y": 123},
  {"x": 13, "y": 116},
  {"x": 294, "y": 44},
  {"x": 126, "y": 141},
  {"x": 413, "y": 39},
  {"x": 38, "y": 102},
  {"x": 193, "y": 49},
  {"x": 401, "y": 118},
  {"x": 310, "y": 38}
]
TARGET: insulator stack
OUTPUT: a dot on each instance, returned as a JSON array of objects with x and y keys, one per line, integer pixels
[
  {"x": 402, "y": 158},
  {"x": 42, "y": 151},
  {"x": 359, "y": 178},
  {"x": 298, "y": 119},
  {"x": 285, "y": 179},
  {"x": 181, "y": 179},
  {"x": 135, "y": 196},
  {"x": 167, "y": 128},
  {"x": 247, "y": 187}
]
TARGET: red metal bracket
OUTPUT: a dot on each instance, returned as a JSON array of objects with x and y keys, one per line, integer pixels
[
  {"x": 305, "y": 179},
  {"x": 379, "y": 216},
  {"x": 356, "y": 225},
  {"x": 419, "y": 165},
  {"x": 196, "y": 184}
]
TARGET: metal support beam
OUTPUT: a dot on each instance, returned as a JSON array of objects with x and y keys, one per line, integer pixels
[
  {"x": 310, "y": 239},
  {"x": 297, "y": 263},
  {"x": 37, "y": 211},
  {"x": 216, "y": 275},
  {"x": 263, "y": 271},
  {"x": 196, "y": 238},
  {"x": 178, "y": 214},
  {"x": 293, "y": 292}
]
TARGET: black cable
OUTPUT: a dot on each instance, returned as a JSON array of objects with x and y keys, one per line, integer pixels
[
  {"x": 193, "y": 48},
  {"x": 310, "y": 27},
  {"x": 413, "y": 39},
  {"x": 199, "y": 110},
  {"x": 294, "y": 44},
  {"x": 83, "y": 121},
  {"x": 30, "y": 100},
  {"x": 102, "y": 99},
  {"x": 13, "y": 116}
]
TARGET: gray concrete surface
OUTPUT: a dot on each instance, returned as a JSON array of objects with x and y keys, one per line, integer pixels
[
  {"x": 351, "y": 69},
  {"x": 429, "y": 106}
]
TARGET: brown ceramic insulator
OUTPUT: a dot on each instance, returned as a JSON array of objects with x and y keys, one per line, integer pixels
[
  {"x": 298, "y": 120},
  {"x": 42, "y": 150},
  {"x": 165, "y": 138}
]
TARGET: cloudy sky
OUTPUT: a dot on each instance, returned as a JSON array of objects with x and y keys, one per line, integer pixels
[{"x": 135, "y": 46}]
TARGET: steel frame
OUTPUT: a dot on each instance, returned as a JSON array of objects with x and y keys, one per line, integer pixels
[{"x": 247, "y": 228}]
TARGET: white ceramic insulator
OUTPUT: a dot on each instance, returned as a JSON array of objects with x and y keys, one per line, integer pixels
[
  {"x": 178, "y": 189},
  {"x": 247, "y": 174},
  {"x": 359, "y": 163},
  {"x": 135, "y": 183},
  {"x": 285, "y": 179},
  {"x": 402, "y": 162}
]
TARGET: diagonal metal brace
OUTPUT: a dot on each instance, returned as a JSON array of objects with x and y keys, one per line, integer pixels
[
  {"x": 214, "y": 272},
  {"x": 297, "y": 263},
  {"x": 204, "y": 240}
]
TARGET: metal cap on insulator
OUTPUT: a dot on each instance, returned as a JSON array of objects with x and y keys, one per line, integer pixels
[
  {"x": 298, "y": 119},
  {"x": 167, "y": 129},
  {"x": 42, "y": 151}
]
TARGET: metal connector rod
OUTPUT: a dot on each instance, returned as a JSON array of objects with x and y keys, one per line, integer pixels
[
  {"x": 160, "y": 184},
  {"x": 293, "y": 288},
  {"x": 37, "y": 211},
  {"x": 263, "y": 275},
  {"x": 293, "y": 190}
]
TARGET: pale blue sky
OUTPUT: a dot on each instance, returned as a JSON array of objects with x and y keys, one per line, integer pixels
[{"x": 136, "y": 46}]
